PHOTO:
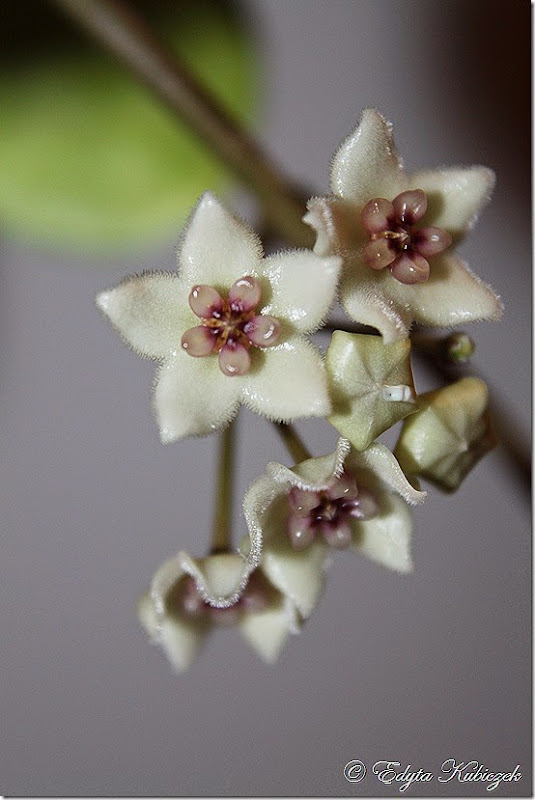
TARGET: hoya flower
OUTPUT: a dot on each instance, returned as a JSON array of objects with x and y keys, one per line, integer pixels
[
  {"x": 371, "y": 385},
  {"x": 188, "y": 598},
  {"x": 228, "y": 327},
  {"x": 448, "y": 435},
  {"x": 343, "y": 500},
  {"x": 396, "y": 232}
]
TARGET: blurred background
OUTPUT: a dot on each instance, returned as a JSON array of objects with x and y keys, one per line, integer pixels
[{"x": 95, "y": 182}]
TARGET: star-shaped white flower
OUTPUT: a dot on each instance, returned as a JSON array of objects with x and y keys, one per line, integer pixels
[
  {"x": 229, "y": 327},
  {"x": 189, "y": 597},
  {"x": 346, "y": 499},
  {"x": 395, "y": 232}
]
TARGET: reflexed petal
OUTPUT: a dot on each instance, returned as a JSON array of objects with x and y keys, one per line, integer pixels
[
  {"x": 217, "y": 248},
  {"x": 204, "y": 300},
  {"x": 360, "y": 367},
  {"x": 234, "y": 360},
  {"x": 377, "y": 215},
  {"x": 379, "y": 254},
  {"x": 367, "y": 165},
  {"x": 220, "y": 578},
  {"x": 455, "y": 195},
  {"x": 314, "y": 474},
  {"x": 180, "y": 640},
  {"x": 410, "y": 268},
  {"x": 337, "y": 225},
  {"x": 367, "y": 298},
  {"x": 410, "y": 206},
  {"x": 303, "y": 287},
  {"x": 263, "y": 331},
  {"x": 298, "y": 574},
  {"x": 147, "y": 310},
  {"x": 267, "y": 631},
  {"x": 193, "y": 398},
  {"x": 430, "y": 241},
  {"x": 199, "y": 341},
  {"x": 289, "y": 382},
  {"x": 453, "y": 295},
  {"x": 245, "y": 293},
  {"x": 379, "y": 470},
  {"x": 386, "y": 537}
]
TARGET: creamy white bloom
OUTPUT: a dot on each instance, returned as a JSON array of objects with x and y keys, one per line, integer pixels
[
  {"x": 229, "y": 327},
  {"x": 189, "y": 597},
  {"x": 346, "y": 499},
  {"x": 397, "y": 271}
]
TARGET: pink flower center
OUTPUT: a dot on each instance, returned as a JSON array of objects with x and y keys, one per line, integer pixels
[
  {"x": 329, "y": 513},
  {"x": 230, "y": 326},
  {"x": 187, "y": 600},
  {"x": 395, "y": 242}
]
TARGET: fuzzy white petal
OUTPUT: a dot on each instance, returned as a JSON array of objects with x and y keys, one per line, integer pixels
[
  {"x": 179, "y": 639},
  {"x": 303, "y": 287},
  {"x": 383, "y": 471},
  {"x": 217, "y": 247},
  {"x": 453, "y": 295},
  {"x": 314, "y": 474},
  {"x": 288, "y": 381},
  {"x": 386, "y": 538},
  {"x": 221, "y": 578},
  {"x": 367, "y": 300},
  {"x": 192, "y": 397},
  {"x": 455, "y": 195},
  {"x": 267, "y": 631},
  {"x": 367, "y": 165},
  {"x": 147, "y": 310},
  {"x": 337, "y": 226}
]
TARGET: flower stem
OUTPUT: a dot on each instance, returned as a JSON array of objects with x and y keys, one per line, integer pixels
[
  {"x": 221, "y": 532},
  {"x": 127, "y": 36},
  {"x": 293, "y": 442}
]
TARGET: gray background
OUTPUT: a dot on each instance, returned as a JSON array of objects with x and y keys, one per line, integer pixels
[{"x": 415, "y": 669}]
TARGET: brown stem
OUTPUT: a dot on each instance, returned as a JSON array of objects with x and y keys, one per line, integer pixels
[
  {"x": 293, "y": 442},
  {"x": 127, "y": 36}
]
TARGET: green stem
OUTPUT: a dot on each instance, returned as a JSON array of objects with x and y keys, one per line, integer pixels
[
  {"x": 222, "y": 527},
  {"x": 127, "y": 36},
  {"x": 293, "y": 442}
]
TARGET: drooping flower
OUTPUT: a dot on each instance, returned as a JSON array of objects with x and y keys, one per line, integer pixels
[
  {"x": 371, "y": 385},
  {"x": 346, "y": 499},
  {"x": 395, "y": 232},
  {"x": 229, "y": 327},
  {"x": 188, "y": 598},
  {"x": 448, "y": 435}
]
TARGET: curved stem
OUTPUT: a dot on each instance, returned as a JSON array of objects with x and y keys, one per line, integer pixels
[
  {"x": 293, "y": 442},
  {"x": 222, "y": 526},
  {"x": 126, "y": 35}
]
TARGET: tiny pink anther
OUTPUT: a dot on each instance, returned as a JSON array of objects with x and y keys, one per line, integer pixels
[
  {"x": 377, "y": 215},
  {"x": 379, "y": 253},
  {"x": 244, "y": 294},
  {"x": 262, "y": 330},
  {"x": 410, "y": 206},
  {"x": 410, "y": 268},
  {"x": 430, "y": 241},
  {"x": 204, "y": 300},
  {"x": 337, "y": 536},
  {"x": 300, "y": 531},
  {"x": 234, "y": 359},
  {"x": 302, "y": 502},
  {"x": 199, "y": 341}
]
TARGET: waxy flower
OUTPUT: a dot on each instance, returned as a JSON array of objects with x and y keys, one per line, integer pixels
[
  {"x": 395, "y": 233},
  {"x": 228, "y": 327},
  {"x": 188, "y": 598},
  {"x": 371, "y": 385},
  {"x": 343, "y": 500},
  {"x": 448, "y": 435}
]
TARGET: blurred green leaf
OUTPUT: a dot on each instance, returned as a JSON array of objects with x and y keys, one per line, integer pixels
[{"x": 89, "y": 159}]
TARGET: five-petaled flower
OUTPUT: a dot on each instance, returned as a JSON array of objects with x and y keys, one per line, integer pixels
[
  {"x": 346, "y": 499},
  {"x": 394, "y": 232},
  {"x": 228, "y": 327},
  {"x": 189, "y": 597}
]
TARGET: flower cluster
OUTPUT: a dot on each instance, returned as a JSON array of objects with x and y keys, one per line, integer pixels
[{"x": 231, "y": 326}]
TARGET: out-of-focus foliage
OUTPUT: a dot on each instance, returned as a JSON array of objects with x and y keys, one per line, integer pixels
[{"x": 87, "y": 157}]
